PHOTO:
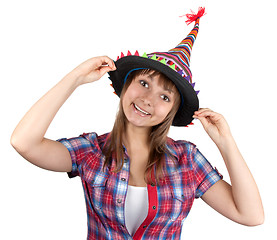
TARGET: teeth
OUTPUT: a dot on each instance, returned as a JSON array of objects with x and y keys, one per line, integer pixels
[{"x": 141, "y": 110}]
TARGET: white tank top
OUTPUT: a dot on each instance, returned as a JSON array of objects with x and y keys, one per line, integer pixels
[{"x": 136, "y": 207}]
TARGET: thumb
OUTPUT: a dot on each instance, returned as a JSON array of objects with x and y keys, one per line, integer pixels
[{"x": 104, "y": 70}]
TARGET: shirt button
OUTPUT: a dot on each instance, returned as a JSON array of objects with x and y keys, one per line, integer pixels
[
  {"x": 154, "y": 207},
  {"x": 119, "y": 200},
  {"x": 144, "y": 226},
  {"x": 123, "y": 179},
  {"x": 125, "y": 160}
]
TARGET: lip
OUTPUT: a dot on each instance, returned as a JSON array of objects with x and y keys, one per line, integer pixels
[{"x": 139, "y": 112}]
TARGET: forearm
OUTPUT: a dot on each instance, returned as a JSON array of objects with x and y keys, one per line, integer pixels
[
  {"x": 244, "y": 189},
  {"x": 33, "y": 126}
]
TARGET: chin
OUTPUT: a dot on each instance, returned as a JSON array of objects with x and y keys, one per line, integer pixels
[{"x": 139, "y": 124}]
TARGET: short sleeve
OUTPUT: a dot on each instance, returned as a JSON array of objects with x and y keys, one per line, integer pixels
[
  {"x": 206, "y": 176},
  {"x": 78, "y": 148}
]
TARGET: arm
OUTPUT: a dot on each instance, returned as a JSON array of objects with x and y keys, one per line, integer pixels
[
  {"x": 240, "y": 201},
  {"x": 28, "y": 137}
]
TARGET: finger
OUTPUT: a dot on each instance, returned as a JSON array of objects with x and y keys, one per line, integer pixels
[
  {"x": 209, "y": 114},
  {"x": 202, "y": 110},
  {"x": 108, "y": 61},
  {"x": 211, "y": 117},
  {"x": 205, "y": 114},
  {"x": 204, "y": 121},
  {"x": 105, "y": 69}
]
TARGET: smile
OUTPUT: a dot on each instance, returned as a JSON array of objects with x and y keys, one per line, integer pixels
[{"x": 140, "y": 110}]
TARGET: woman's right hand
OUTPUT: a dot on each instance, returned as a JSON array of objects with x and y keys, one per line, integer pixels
[{"x": 93, "y": 69}]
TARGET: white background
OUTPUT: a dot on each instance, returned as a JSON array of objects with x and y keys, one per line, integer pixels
[{"x": 233, "y": 64}]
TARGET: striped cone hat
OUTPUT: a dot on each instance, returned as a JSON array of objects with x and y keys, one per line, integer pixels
[{"x": 175, "y": 64}]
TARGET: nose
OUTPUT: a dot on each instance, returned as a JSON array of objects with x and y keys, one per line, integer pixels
[{"x": 148, "y": 99}]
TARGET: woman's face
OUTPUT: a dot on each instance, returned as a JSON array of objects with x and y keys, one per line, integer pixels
[{"x": 146, "y": 102}]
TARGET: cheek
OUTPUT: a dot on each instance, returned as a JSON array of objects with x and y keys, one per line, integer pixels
[
  {"x": 128, "y": 98},
  {"x": 131, "y": 92},
  {"x": 164, "y": 110}
]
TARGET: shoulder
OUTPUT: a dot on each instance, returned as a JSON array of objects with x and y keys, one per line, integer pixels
[
  {"x": 85, "y": 142},
  {"x": 94, "y": 140},
  {"x": 180, "y": 147},
  {"x": 93, "y": 137}
]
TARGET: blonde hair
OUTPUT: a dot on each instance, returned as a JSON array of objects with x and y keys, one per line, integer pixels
[{"x": 158, "y": 135}]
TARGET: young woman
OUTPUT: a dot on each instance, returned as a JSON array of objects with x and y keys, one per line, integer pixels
[{"x": 138, "y": 183}]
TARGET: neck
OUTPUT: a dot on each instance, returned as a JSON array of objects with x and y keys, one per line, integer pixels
[{"x": 136, "y": 137}]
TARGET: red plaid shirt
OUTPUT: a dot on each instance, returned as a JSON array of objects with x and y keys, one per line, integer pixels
[{"x": 189, "y": 176}]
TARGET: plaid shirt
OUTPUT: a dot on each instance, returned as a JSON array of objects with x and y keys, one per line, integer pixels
[{"x": 189, "y": 175}]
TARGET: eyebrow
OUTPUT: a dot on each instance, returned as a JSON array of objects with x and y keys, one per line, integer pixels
[
  {"x": 165, "y": 89},
  {"x": 169, "y": 90}
]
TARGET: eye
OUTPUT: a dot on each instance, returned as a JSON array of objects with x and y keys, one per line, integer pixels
[
  {"x": 144, "y": 83},
  {"x": 165, "y": 98}
]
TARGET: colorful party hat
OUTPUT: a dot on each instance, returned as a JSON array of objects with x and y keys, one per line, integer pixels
[{"x": 175, "y": 64}]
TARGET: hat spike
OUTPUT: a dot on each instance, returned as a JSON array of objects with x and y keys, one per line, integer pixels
[
  {"x": 187, "y": 78},
  {"x": 163, "y": 61},
  {"x": 181, "y": 72},
  {"x": 145, "y": 55},
  {"x": 154, "y": 57},
  {"x": 136, "y": 53},
  {"x": 173, "y": 66}
]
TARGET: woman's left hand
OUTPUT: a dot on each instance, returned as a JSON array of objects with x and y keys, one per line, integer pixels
[{"x": 214, "y": 124}]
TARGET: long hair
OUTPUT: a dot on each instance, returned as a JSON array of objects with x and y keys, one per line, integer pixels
[{"x": 158, "y": 135}]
